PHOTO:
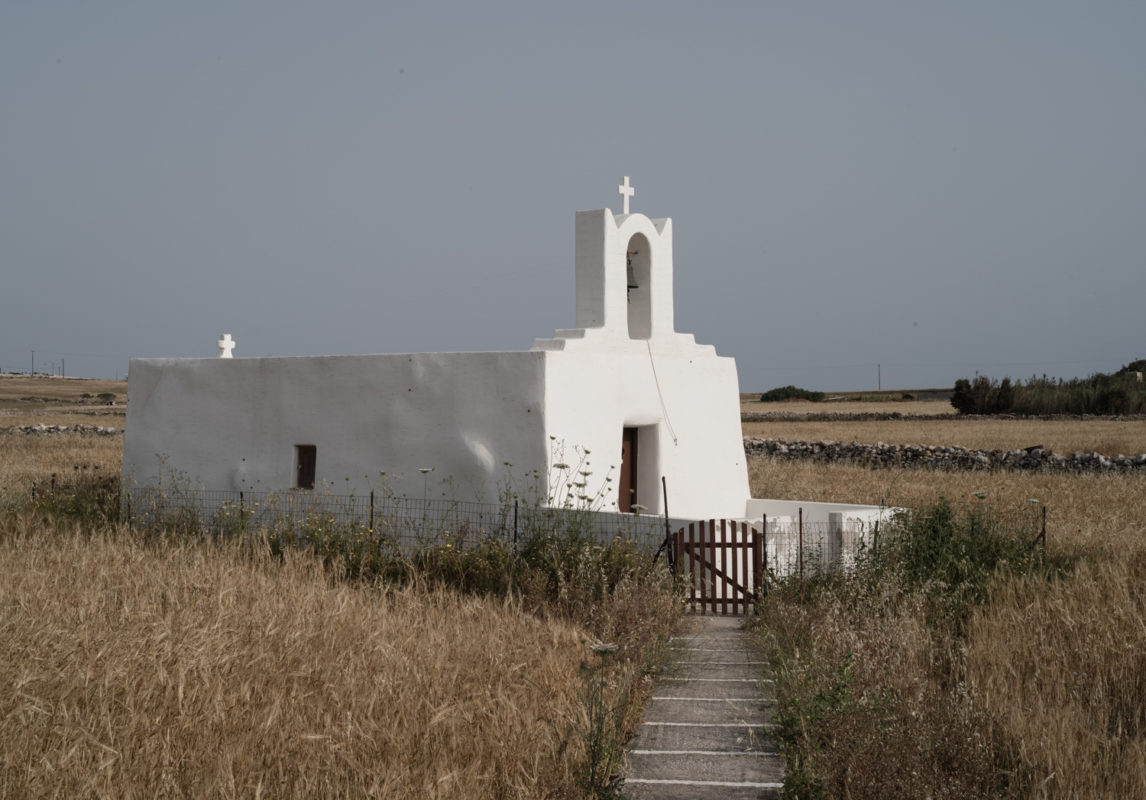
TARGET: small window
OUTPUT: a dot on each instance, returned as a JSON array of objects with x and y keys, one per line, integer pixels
[{"x": 305, "y": 456}]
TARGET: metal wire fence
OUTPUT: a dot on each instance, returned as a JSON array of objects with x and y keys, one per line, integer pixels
[
  {"x": 794, "y": 547},
  {"x": 402, "y": 521}
]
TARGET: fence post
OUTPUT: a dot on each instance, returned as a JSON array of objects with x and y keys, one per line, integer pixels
[
  {"x": 764, "y": 547},
  {"x": 515, "y": 524},
  {"x": 242, "y": 514},
  {"x": 33, "y": 491},
  {"x": 371, "y": 511},
  {"x": 1043, "y": 533},
  {"x": 800, "y": 551}
]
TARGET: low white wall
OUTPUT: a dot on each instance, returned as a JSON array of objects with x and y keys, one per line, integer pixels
[
  {"x": 830, "y": 537},
  {"x": 814, "y": 513}
]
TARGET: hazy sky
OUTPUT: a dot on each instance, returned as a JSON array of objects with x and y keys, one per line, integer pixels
[{"x": 937, "y": 188}]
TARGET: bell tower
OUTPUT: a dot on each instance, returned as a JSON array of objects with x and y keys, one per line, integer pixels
[{"x": 624, "y": 272}]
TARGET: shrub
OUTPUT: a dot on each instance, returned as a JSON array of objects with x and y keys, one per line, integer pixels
[
  {"x": 790, "y": 393},
  {"x": 1120, "y": 393},
  {"x": 86, "y": 497}
]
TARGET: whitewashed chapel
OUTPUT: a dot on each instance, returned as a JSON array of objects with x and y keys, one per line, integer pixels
[{"x": 643, "y": 400}]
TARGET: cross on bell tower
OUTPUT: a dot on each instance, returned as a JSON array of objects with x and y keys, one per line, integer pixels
[{"x": 626, "y": 191}]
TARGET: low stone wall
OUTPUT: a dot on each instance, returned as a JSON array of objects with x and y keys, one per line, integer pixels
[
  {"x": 99, "y": 430},
  {"x": 840, "y": 416},
  {"x": 940, "y": 456}
]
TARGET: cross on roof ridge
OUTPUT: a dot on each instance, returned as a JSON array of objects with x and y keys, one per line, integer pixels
[{"x": 225, "y": 344}]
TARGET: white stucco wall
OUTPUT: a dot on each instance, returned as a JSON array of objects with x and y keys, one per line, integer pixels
[
  {"x": 233, "y": 423},
  {"x": 589, "y": 406}
]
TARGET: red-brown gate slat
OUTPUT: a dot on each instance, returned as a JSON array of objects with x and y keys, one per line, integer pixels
[
  {"x": 710, "y": 564},
  {"x": 746, "y": 538},
  {"x": 726, "y": 550},
  {"x": 698, "y": 575},
  {"x": 759, "y": 556},
  {"x": 677, "y": 553},
  {"x": 732, "y": 572}
]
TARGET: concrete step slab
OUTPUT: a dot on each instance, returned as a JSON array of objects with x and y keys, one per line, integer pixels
[
  {"x": 738, "y": 738},
  {"x": 719, "y": 688},
  {"x": 723, "y": 670},
  {"x": 729, "y": 656},
  {"x": 699, "y": 791},
  {"x": 707, "y": 766},
  {"x": 707, "y": 710}
]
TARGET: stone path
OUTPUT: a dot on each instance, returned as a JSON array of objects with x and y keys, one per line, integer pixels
[{"x": 705, "y": 732}]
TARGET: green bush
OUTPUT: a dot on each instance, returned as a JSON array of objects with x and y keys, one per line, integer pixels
[{"x": 790, "y": 393}]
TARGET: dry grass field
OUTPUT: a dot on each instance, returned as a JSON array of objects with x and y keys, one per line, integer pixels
[
  {"x": 45, "y": 400},
  {"x": 183, "y": 671},
  {"x": 1044, "y": 695},
  {"x": 1100, "y": 511},
  {"x": 36, "y": 457}
]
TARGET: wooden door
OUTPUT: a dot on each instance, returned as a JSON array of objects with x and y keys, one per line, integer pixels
[
  {"x": 627, "y": 488},
  {"x": 306, "y": 456}
]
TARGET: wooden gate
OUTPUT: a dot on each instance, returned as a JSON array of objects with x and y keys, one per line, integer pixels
[{"x": 722, "y": 563}]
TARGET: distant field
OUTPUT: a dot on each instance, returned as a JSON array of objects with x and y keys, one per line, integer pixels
[
  {"x": 924, "y": 407},
  {"x": 1062, "y": 436},
  {"x": 111, "y": 418},
  {"x": 17, "y": 390},
  {"x": 45, "y": 400}
]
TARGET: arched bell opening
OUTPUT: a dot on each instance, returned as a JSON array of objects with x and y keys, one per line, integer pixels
[{"x": 638, "y": 281}]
